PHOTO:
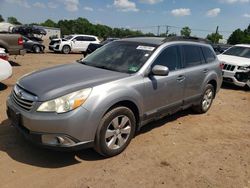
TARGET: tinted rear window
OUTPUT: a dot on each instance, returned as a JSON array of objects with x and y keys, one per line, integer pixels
[
  {"x": 89, "y": 38},
  {"x": 192, "y": 55},
  {"x": 208, "y": 54}
]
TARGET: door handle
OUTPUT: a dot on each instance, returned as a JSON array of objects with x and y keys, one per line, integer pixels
[
  {"x": 180, "y": 78},
  {"x": 205, "y": 70}
]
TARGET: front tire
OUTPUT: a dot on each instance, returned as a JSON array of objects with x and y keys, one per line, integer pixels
[
  {"x": 36, "y": 49},
  {"x": 115, "y": 132},
  {"x": 206, "y": 100},
  {"x": 66, "y": 49}
]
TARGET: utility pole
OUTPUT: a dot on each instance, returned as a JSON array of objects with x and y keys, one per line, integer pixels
[
  {"x": 217, "y": 29},
  {"x": 216, "y": 34},
  {"x": 167, "y": 30},
  {"x": 158, "y": 30}
]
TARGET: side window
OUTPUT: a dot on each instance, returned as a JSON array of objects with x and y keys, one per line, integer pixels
[
  {"x": 79, "y": 38},
  {"x": 192, "y": 55},
  {"x": 170, "y": 58},
  {"x": 89, "y": 39},
  {"x": 209, "y": 55}
]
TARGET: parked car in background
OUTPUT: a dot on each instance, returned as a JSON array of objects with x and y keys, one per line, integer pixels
[
  {"x": 220, "y": 48},
  {"x": 12, "y": 43},
  {"x": 73, "y": 43},
  {"x": 3, "y": 54},
  {"x": 32, "y": 46},
  {"x": 5, "y": 70},
  {"x": 104, "y": 99},
  {"x": 236, "y": 68},
  {"x": 93, "y": 46}
]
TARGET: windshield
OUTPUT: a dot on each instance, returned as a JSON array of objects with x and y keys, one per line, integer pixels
[
  {"x": 238, "y": 51},
  {"x": 120, "y": 56},
  {"x": 68, "y": 37}
]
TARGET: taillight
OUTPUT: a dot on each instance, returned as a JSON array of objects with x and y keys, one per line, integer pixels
[
  {"x": 20, "y": 41},
  {"x": 4, "y": 57}
]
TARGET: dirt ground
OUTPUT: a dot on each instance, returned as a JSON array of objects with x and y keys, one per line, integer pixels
[{"x": 183, "y": 150}]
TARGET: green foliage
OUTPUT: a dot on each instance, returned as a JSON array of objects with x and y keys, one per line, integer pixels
[
  {"x": 49, "y": 23},
  {"x": 185, "y": 31},
  {"x": 214, "y": 37},
  {"x": 83, "y": 26},
  {"x": 13, "y": 20},
  {"x": 240, "y": 37},
  {"x": 1, "y": 18}
]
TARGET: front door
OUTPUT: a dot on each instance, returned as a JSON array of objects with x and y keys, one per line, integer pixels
[{"x": 165, "y": 93}]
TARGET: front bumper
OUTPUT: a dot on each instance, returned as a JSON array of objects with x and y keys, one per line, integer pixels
[
  {"x": 239, "y": 78},
  {"x": 66, "y": 131},
  {"x": 55, "y": 47}
]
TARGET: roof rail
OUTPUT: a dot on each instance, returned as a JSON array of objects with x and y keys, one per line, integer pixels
[{"x": 183, "y": 38}]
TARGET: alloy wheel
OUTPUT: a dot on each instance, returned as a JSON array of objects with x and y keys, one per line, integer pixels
[{"x": 118, "y": 132}]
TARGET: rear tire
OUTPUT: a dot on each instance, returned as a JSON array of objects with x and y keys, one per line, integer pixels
[
  {"x": 66, "y": 49},
  {"x": 206, "y": 100},
  {"x": 115, "y": 132}
]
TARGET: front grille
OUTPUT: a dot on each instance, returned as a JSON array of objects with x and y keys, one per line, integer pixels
[
  {"x": 228, "y": 67},
  {"x": 21, "y": 102}
]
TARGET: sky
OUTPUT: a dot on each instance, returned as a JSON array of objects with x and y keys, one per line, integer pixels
[{"x": 202, "y": 16}]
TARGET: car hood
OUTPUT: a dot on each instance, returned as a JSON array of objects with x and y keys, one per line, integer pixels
[
  {"x": 54, "y": 82},
  {"x": 234, "y": 60}
]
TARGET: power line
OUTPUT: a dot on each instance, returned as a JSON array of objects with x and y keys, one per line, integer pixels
[{"x": 168, "y": 27}]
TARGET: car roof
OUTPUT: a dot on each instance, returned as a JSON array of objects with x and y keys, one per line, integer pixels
[
  {"x": 243, "y": 45},
  {"x": 83, "y": 35},
  {"x": 157, "y": 41},
  {"x": 147, "y": 40}
]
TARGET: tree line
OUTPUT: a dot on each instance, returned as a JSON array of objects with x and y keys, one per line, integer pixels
[{"x": 83, "y": 26}]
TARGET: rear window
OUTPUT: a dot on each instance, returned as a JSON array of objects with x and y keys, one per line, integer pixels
[
  {"x": 192, "y": 55},
  {"x": 208, "y": 54}
]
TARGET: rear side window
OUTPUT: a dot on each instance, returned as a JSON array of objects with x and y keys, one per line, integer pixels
[
  {"x": 208, "y": 54},
  {"x": 89, "y": 39},
  {"x": 170, "y": 58},
  {"x": 192, "y": 55}
]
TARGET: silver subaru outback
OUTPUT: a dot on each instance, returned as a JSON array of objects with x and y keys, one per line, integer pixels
[{"x": 102, "y": 100}]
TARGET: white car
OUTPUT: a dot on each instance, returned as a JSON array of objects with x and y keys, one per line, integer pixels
[
  {"x": 76, "y": 43},
  {"x": 5, "y": 70},
  {"x": 236, "y": 65}
]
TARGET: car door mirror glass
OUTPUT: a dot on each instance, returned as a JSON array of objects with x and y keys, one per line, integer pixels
[{"x": 160, "y": 70}]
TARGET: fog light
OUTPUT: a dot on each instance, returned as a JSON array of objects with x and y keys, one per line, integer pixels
[
  {"x": 56, "y": 140},
  {"x": 49, "y": 139}
]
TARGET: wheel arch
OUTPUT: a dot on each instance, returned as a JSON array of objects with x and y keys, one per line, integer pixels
[
  {"x": 214, "y": 84},
  {"x": 129, "y": 104}
]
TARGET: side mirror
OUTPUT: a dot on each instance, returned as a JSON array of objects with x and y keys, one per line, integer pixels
[
  {"x": 74, "y": 40},
  {"x": 160, "y": 70}
]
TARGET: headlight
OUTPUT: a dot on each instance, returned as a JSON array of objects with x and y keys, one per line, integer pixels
[
  {"x": 66, "y": 102},
  {"x": 244, "y": 68}
]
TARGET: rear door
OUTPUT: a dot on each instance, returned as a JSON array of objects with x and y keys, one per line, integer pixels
[
  {"x": 77, "y": 43},
  {"x": 196, "y": 70},
  {"x": 165, "y": 93}
]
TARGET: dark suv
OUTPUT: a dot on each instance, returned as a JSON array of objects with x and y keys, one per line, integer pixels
[{"x": 102, "y": 100}]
